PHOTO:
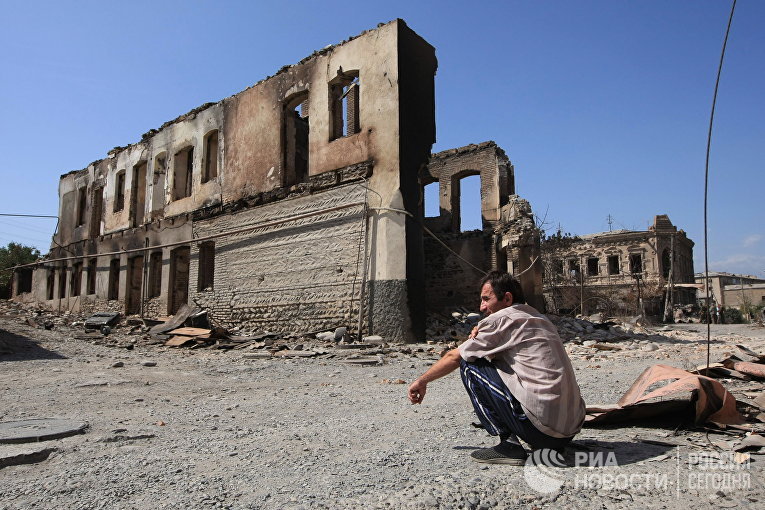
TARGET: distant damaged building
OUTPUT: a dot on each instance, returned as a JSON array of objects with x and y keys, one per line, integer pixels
[
  {"x": 294, "y": 205},
  {"x": 620, "y": 272}
]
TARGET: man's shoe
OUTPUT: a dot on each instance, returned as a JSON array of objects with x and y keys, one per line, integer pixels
[{"x": 504, "y": 453}]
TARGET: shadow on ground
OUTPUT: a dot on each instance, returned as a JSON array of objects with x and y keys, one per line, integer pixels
[
  {"x": 15, "y": 347},
  {"x": 597, "y": 452}
]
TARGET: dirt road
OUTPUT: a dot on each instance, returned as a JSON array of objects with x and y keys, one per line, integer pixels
[{"x": 212, "y": 429}]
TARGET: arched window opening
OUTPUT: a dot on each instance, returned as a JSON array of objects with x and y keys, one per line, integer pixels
[
  {"x": 183, "y": 170},
  {"x": 210, "y": 170},
  {"x": 344, "y": 95},
  {"x": 296, "y": 131}
]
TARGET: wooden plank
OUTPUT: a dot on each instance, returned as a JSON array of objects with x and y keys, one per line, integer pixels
[
  {"x": 190, "y": 331},
  {"x": 179, "y": 341}
]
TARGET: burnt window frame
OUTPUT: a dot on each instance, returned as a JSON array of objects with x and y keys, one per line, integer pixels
[
  {"x": 119, "y": 191},
  {"x": 344, "y": 105},
  {"x": 82, "y": 205},
  {"x": 113, "y": 291},
  {"x": 92, "y": 273},
  {"x": 593, "y": 269},
  {"x": 613, "y": 269},
  {"x": 188, "y": 171},
  {"x": 633, "y": 257},
  {"x": 154, "y": 284},
  {"x": 206, "y": 266},
  {"x": 210, "y": 157}
]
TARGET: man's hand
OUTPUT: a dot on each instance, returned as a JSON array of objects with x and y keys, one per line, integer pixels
[
  {"x": 473, "y": 333},
  {"x": 449, "y": 362},
  {"x": 417, "y": 391}
]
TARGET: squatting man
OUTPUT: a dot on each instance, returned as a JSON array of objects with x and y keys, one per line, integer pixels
[{"x": 517, "y": 374}]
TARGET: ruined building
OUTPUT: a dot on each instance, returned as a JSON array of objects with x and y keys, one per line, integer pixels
[
  {"x": 294, "y": 205},
  {"x": 614, "y": 271}
]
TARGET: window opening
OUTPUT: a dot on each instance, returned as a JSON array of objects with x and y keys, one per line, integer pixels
[
  {"x": 183, "y": 165},
  {"x": 592, "y": 266},
  {"x": 211, "y": 156},
  {"x": 82, "y": 205},
  {"x": 558, "y": 267},
  {"x": 138, "y": 194},
  {"x": 155, "y": 274},
  {"x": 51, "y": 284},
  {"x": 344, "y": 104},
  {"x": 92, "y": 272},
  {"x": 119, "y": 191},
  {"x": 469, "y": 190},
  {"x": 613, "y": 264},
  {"x": 97, "y": 211},
  {"x": 296, "y": 139},
  {"x": 158, "y": 183},
  {"x": 62, "y": 282},
  {"x": 636, "y": 263},
  {"x": 76, "y": 279},
  {"x": 206, "y": 266},
  {"x": 665, "y": 263},
  {"x": 134, "y": 282},
  {"x": 430, "y": 194},
  {"x": 573, "y": 268},
  {"x": 114, "y": 279},
  {"x": 24, "y": 281},
  {"x": 179, "y": 278}
]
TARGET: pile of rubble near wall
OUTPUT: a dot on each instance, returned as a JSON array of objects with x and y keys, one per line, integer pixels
[{"x": 443, "y": 331}]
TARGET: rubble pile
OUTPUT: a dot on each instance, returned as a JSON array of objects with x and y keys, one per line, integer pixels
[
  {"x": 595, "y": 328},
  {"x": 451, "y": 329}
]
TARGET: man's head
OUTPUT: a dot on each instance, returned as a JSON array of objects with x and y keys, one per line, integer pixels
[{"x": 499, "y": 290}]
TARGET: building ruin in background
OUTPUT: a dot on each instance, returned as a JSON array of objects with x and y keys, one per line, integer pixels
[
  {"x": 294, "y": 205},
  {"x": 614, "y": 271}
]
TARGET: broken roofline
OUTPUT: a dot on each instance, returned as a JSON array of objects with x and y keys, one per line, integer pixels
[
  {"x": 194, "y": 111},
  {"x": 466, "y": 149}
]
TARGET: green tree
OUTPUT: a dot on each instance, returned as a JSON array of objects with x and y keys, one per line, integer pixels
[{"x": 13, "y": 255}]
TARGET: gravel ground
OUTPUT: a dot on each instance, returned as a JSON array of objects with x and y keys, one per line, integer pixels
[{"x": 211, "y": 429}]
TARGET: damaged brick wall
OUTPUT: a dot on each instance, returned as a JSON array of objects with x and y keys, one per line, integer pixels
[
  {"x": 508, "y": 240},
  {"x": 299, "y": 276}
]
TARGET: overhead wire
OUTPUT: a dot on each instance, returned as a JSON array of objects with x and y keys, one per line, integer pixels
[{"x": 706, "y": 180}]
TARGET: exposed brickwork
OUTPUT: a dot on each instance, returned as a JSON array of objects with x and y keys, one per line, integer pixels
[{"x": 298, "y": 276}]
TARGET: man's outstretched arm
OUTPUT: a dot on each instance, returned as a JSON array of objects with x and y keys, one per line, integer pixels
[{"x": 447, "y": 364}]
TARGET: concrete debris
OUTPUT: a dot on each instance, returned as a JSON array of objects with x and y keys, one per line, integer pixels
[
  {"x": 102, "y": 320},
  {"x": 39, "y": 429},
  {"x": 14, "y": 455}
]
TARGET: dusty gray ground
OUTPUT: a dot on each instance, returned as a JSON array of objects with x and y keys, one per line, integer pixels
[{"x": 211, "y": 429}]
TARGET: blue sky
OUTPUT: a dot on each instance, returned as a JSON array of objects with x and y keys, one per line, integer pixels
[{"x": 602, "y": 106}]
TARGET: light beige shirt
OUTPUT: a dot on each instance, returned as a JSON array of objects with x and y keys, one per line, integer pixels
[{"x": 530, "y": 358}]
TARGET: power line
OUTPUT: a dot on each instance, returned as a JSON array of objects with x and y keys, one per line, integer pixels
[
  {"x": 29, "y": 215},
  {"x": 706, "y": 179}
]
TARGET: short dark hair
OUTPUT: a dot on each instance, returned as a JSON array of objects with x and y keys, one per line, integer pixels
[{"x": 502, "y": 282}]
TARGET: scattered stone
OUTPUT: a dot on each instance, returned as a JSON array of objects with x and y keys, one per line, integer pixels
[
  {"x": 149, "y": 363},
  {"x": 326, "y": 336},
  {"x": 118, "y": 364}
]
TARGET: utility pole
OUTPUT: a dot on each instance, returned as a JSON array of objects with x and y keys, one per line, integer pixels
[
  {"x": 669, "y": 299},
  {"x": 581, "y": 286}
]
